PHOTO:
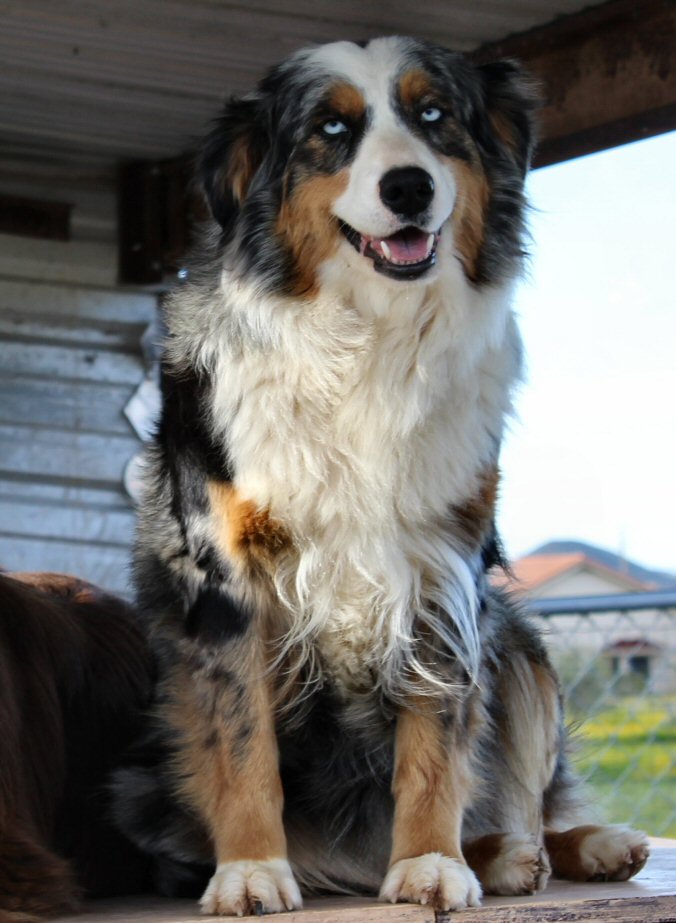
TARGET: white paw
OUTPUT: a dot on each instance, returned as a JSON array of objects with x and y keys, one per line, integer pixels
[
  {"x": 247, "y": 886},
  {"x": 614, "y": 853},
  {"x": 444, "y": 883},
  {"x": 521, "y": 866}
]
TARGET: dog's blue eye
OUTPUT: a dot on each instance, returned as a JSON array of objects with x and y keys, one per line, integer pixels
[
  {"x": 431, "y": 114},
  {"x": 334, "y": 127}
]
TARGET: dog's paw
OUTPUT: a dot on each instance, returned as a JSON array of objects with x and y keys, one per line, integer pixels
[
  {"x": 509, "y": 863},
  {"x": 246, "y": 887},
  {"x": 614, "y": 853},
  {"x": 444, "y": 883},
  {"x": 591, "y": 853}
]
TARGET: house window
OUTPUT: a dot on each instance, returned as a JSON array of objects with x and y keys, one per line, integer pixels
[{"x": 640, "y": 665}]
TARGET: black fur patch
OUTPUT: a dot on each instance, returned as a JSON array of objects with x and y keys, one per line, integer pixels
[
  {"x": 184, "y": 438},
  {"x": 215, "y": 618}
]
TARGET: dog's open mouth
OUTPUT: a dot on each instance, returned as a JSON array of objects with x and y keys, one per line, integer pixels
[{"x": 408, "y": 254}]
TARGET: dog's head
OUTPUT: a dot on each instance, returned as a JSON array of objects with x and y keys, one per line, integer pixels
[{"x": 371, "y": 156}]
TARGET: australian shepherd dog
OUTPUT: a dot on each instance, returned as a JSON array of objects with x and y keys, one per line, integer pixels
[{"x": 346, "y": 703}]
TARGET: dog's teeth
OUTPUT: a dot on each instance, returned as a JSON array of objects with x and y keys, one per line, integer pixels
[
  {"x": 430, "y": 242},
  {"x": 386, "y": 250}
]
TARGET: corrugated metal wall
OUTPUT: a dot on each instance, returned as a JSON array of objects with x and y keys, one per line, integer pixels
[
  {"x": 125, "y": 79},
  {"x": 70, "y": 359},
  {"x": 69, "y": 362}
]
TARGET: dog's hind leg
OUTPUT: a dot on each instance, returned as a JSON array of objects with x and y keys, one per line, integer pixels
[
  {"x": 528, "y": 756},
  {"x": 541, "y": 811},
  {"x": 597, "y": 853},
  {"x": 583, "y": 851}
]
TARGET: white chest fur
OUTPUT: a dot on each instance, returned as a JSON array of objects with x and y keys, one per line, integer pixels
[{"x": 358, "y": 428}]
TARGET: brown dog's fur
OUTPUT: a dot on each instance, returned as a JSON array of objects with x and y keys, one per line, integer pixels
[{"x": 74, "y": 677}]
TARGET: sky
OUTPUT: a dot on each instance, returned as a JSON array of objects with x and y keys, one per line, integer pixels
[{"x": 592, "y": 453}]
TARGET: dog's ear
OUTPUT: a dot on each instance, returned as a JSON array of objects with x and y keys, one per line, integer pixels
[
  {"x": 511, "y": 98},
  {"x": 231, "y": 155}
]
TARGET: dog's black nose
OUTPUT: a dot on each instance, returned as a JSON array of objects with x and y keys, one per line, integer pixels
[{"x": 407, "y": 191}]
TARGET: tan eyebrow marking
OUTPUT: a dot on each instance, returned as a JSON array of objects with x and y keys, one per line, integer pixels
[
  {"x": 414, "y": 86},
  {"x": 345, "y": 99}
]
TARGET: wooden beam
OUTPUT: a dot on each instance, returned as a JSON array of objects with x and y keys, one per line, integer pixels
[
  {"x": 154, "y": 207},
  {"x": 608, "y": 74}
]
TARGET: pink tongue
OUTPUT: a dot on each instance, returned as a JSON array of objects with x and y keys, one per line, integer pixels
[{"x": 409, "y": 245}]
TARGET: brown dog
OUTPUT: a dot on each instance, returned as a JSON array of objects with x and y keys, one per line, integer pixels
[{"x": 75, "y": 676}]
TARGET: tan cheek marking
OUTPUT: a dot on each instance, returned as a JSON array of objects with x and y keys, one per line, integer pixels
[
  {"x": 476, "y": 514},
  {"x": 469, "y": 213},
  {"x": 309, "y": 229},
  {"x": 431, "y": 787},
  {"x": 504, "y": 130},
  {"x": 414, "y": 85},
  {"x": 244, "y": 533},
  {"x": 241, "y": 168},
  {"x": 228, "y": 768}
]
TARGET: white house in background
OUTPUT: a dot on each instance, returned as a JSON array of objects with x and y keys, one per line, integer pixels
[
  {"x": 573, "y": 573},
  {"x": 640, "y": 643}
]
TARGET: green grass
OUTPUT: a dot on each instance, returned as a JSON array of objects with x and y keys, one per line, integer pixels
[{"x": 629, "y": 752}]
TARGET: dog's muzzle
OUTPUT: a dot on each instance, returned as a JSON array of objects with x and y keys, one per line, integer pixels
[{"x": 410, "y": 252}]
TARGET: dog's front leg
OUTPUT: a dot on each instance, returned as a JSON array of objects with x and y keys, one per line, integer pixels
[
  {"x": 227, "y": 769},
  {"x": 431, "y": 788}
]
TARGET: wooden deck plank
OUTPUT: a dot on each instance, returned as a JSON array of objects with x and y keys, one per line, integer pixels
[
  {"x": 321, "y": 910},
  {"x": 648, "y": 898}
]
